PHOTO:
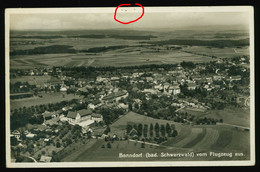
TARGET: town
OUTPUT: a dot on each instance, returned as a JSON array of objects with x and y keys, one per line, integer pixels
[{"x": 48, "y": 132}]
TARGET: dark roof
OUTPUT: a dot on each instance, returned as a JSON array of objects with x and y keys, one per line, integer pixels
[
  {"x": 191, "y": 85},
  {"x": 72, "y": 114},
  {"x": 96, "y": 115},
  {"x": 95, "y": 102},
  {"x": 84, "y": 112},
  {"x": 114, "y": 95}
]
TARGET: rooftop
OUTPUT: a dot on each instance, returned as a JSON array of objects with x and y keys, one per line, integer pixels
[
  {"x": 84, "y": 112},
  {"x": 96, "y": 115},
  {"x": 72, "y": 114},
  {"x": 114, "y": 95},
  {"x": 45, "y": 159}
]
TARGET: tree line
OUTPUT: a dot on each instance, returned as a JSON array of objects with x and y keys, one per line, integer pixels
[{"x": 143, "y": 130}]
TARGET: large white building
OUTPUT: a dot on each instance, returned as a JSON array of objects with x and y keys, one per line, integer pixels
[{"x": 81, "y": 115}]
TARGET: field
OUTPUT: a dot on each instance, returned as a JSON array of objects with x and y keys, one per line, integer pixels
[
  {"x": 32, "y": 80},
  {"x": 46, "y": 99},
  {"x": 119, "y": 126},
  {"x": 196, "y": 139},
  {"x": 240, "y": 117},
  {"x": 219, "y": 52},
  {"x": 234, "y": 116},
  {"x": 118, "y": 47}
]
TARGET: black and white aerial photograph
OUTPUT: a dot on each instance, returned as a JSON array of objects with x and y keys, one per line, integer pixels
[{"x": 84, "y": 88}]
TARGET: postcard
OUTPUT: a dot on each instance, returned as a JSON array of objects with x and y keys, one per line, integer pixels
[{"x": 130, "y": 86}]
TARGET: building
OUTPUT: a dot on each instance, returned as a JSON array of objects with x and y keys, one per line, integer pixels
[
  {"x": 96, "y": 117},
  {"x": 45, "y": 158},
  {"x": 174, "y": 89},
  {"x": 151, "y": 91},
  {"x": 235, "y": 78},
  {"x": 94, "y": 104},
  {"x": 77, "y": 117},
  {"x": 30, "y": 136},
  {"x": 192, "y": 86},
  {"x": 115, "y": 96},
  {"x": 166, "y": 87},
  {"x": 216, "y": 77},
  {"x": 16, "y": 134},
  {"x": 149, "y": 79},
  {"x": 123, "y": 106},
  {"x": 48, "y": 115}
]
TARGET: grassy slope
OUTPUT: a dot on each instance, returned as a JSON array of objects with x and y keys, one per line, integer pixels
[{"x": 190, "y": 138}]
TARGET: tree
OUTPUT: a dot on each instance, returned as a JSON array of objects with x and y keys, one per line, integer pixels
[
  {"x": 142, "y": 145},
  {"x": 151, "y": 130},
  {"x": 108, "y": 145},
  {"x": 162, "y": 130},
  {"x": 145, "y": 130},
  {"x": 128, "y": 128},
  {"x": 107, "y": 130},
  {"x": 19, "y": 159},
  {"x": 168, "y": 128},
  {"x": 156, "y": 129},
  {"x": 14, "y": 141},
  {"x": 58, "y": 144},
  {"x": 174, "y": 133},
  {"x": 130, "y": 106},
  {"x": 136, "y": 105},
  {"x": 53, "y": 153},
  {"x": 139, "y": 129}
]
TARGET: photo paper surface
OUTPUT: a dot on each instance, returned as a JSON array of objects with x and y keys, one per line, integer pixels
[{"x": 130, "y": 87}]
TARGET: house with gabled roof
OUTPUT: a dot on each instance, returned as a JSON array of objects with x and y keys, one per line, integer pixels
[
  {"x": 94, "y": 104},
  {"x": 192, "y": 86},
  {"x": 115, "y": 96},
  {"x": 75, "y": 117},
  {"x": 174, "y": 89},
  {"x": 96, "y": 117}
]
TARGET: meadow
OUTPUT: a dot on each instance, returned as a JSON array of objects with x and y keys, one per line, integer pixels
[
  {"x": 197, "y": 139},
  {"x": 45, "y": 99},
  {"x": 119, "y": 47},
  {"x": 233, "y": 116}
]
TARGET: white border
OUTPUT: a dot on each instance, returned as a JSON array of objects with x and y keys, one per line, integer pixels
[{"x": 250, "y": 162}]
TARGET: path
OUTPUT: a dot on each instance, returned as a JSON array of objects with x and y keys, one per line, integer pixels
[
  {"x": 30, "y": 158},
  {"x": 232, "y": 125},
  {"x": 153, "y": 144},
  {"x": 180, "y": 108}
]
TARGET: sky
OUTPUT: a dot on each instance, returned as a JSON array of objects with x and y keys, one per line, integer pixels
[{"x": 105, "y": 20}]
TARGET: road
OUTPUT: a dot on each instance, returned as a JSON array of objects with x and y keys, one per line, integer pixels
[{"x": 30, "y": 158}]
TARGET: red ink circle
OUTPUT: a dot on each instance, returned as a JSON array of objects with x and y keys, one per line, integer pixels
[{"x": 129, "y": 21}]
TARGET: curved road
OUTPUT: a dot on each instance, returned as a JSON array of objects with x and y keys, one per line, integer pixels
[{"x": 30, "y": 158}]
